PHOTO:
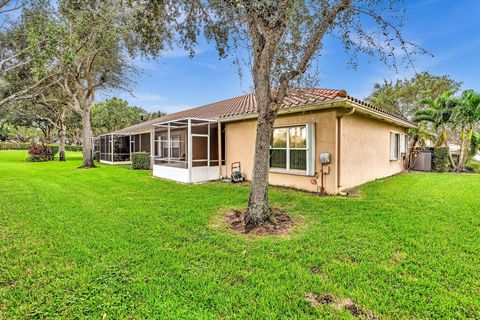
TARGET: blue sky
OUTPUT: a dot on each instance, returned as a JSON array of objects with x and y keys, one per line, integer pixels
[{"x": 448, "y": 29}]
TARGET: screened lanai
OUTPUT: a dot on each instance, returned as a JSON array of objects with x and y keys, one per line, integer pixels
[
  {"x": 189, "y": 150},
  {"x": 115, "y": 148},
  {"x": 140, "y": 142}
]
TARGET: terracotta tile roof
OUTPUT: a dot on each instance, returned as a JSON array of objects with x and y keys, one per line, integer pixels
[
  {"x": 378, "y": 109},
  {"x": 246, "y": 104}
]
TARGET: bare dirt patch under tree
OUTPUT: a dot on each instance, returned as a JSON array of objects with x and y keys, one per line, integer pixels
[
  {"x": 339, "y": 304},
  {"x": 279, "y": 223}
]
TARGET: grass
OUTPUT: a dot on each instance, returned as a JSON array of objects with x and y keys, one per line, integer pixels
[{"x": 115, "y": 243}]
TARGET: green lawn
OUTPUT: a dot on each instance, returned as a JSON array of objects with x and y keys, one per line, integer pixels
[{"x": 116, "y": 243}]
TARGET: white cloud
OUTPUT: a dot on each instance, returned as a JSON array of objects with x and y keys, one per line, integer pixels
[
  {"x": 147, "y": 100},
  {"x": 147, "y": 97},
  {"x": 210, "y": 66},
  {"x": 153, "y": 102}
]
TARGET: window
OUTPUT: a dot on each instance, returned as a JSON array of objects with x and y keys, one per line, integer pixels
[
  {"x": 163, "y": 146},
  {"x": 292, "y": 148},
  {"x": 394, "y": 146},
  {"x": 403, "y": 144},
  {"x": 175, "y": 145},
  {"x": 406, "y": 143}
]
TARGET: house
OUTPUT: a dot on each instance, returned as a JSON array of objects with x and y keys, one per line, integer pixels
[{"x": 358, "y": 142}]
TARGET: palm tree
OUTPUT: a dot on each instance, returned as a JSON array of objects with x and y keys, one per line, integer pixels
[
  {"x": 439, "y": 113},
  {"x": 466, "y": 116}
]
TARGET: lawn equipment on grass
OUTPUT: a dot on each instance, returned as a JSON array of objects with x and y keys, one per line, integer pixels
[{"x": 236, "y": 172}]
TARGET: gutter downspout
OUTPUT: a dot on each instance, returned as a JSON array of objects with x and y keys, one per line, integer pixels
[
  {"x": 219, "y": 147},
  {"x": 339, "y": 143}
]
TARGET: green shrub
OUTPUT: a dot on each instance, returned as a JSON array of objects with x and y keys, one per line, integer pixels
[
  {"x": 54, "y": 148},
  {"x": 39, "y": 153},
  {"x": 96, "y": 156},
  {"x": 440, "y": 159},
  {"x": 473, "y": 166},
  {"x": 35, "y": 158},
  {"x": 140, "y": 161},
  {"x": 14, "y": 146}
]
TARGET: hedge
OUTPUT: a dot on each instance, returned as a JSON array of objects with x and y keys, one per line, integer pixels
[
  {"x": 73, "y": 148},
  {"x": 140, "y": 161},
  {"x": 14, "y": 146},
  {"x": 440, "y": 159},
  {"x": 25, "y": 146}
]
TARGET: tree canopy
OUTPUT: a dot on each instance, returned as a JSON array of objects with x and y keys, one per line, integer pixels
[
  {"x": 403, "y": 95},
  {"x": 115, "y": 113}
]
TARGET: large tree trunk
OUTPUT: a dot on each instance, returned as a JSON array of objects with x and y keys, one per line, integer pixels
[
  {"x": 61, "y": 142},
  {"x": 87, "y": 140},
  {"x": 47, "y": 134},
  {"x": 264, "y": 50},
  {"x": 258, "y": 206}
]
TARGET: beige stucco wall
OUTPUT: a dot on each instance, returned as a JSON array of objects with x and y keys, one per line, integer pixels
[
  {"x": 365, "y": 150},
  {"x": 240, "y": 146}
]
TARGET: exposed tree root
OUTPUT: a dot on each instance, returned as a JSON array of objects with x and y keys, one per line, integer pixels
[{"x": 278, "y": 224}]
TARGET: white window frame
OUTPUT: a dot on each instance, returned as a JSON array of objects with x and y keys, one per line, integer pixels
[
  {"x": 309, "y": 149},
  {"x": 394, "y": 138},
  {"x": 175, "y": 143},
  {"x": 166, "y": 147},
  {"x": 403, "y": 144}
]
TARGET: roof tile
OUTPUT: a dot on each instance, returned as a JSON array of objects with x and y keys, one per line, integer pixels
[{"x": 247, "y": 104}]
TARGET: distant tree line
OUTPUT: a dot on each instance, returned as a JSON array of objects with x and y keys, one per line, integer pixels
[{"x": 25, "y": 122}]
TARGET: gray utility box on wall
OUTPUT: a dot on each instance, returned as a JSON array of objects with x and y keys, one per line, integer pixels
[
  {"x": 423, "y": 161},
  {"x": 325, "y": 158}
]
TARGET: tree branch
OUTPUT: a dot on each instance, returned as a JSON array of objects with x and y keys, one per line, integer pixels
[
  {"x": 327, "y": 20},
  {"x": 28, "y": 93},
  {"x": 4, "y": 3}
]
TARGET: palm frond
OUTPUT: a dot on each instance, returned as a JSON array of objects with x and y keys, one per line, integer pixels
[
  {"x": 475, "y": 144},
  {"x": 427, "y": 102},
  {"x": 427, "y": 115}
]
